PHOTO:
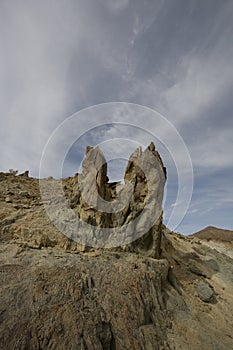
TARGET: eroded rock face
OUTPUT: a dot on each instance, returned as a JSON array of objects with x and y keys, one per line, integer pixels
[
  {"x": 119, "y": 216},
  {"x": 55, "y": 294},
  {"x": 135, "y": 206},
  {"x": 93, "y": 179},
  {"x": 55, "y": 300}
]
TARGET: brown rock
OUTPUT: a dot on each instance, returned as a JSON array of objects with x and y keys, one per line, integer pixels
[
  {"x": 8, "y": 199},
  {"x": 58, "y": 294}
]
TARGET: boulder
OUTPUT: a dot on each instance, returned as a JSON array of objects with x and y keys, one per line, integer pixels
[{"x": 205, "y": 290}]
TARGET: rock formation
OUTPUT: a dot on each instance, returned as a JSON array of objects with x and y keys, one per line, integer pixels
[
  {"x": 56, "y": 293},
  {"x": 113, "y": 205}
]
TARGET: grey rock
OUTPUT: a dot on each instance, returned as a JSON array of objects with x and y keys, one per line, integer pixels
[
  {"x": 205, "y": 290},
  {"x": 24, "y": 194}
]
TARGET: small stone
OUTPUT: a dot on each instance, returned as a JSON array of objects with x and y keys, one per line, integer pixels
[
  {"x": 205, "y": 290},
  {"x": 16, "y": 206},
  {"x": 25, "y": 174},
  {"x": 13, "y": 171},
  {"x": 8, "y": 199},
  {"x": 26, "y": 206},
  {"x": 24, "y": 194}
]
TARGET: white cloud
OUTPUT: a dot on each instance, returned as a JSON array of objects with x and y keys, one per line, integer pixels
[
  {"x": 116, "y": 6},
  {"x": 37, "y": 45},
  {"x": 214, "y": 151},
  {"x": 201, "y": 82}
]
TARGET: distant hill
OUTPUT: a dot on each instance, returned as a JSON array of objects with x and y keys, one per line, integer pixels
[{"x": 214, "y": 233}]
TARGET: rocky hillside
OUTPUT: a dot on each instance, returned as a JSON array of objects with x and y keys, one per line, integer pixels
[
  {"x": 58, "y": 294},
  {"x": 211, "y": 233}
]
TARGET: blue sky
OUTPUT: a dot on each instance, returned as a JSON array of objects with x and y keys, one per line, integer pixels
[{"x": 58, "y": 57}]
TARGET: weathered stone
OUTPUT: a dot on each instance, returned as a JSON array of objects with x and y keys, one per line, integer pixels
[
  {"x": 204, "y": 290},
  {"x": 143, "y": 190},
  {"x": 58, "y": 294},
  {"x": 93, "y": 179},
  {"x": 24, "y": 194},
  {"x": 25, "y": 174},
  {"x": 8, "y": 199}
]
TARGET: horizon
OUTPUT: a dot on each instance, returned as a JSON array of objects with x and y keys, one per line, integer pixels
[{"x": 16, "y": 173}]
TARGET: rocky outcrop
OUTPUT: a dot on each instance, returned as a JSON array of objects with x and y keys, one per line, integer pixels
[
  {"x": 135, "y": 205},
  {"x": 56, "y": 293},
  {"x": 199, "y": 297},
  {"x": 123, "y": 216},
  {"x": 54, "y": 300}
]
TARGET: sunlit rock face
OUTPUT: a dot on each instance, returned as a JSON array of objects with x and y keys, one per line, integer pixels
[{"x": 131, "y": 211}]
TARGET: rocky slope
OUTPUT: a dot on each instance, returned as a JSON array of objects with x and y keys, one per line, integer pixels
[
  {"x": 58, "y": 294},
  {"x": 215, "y": 234}
]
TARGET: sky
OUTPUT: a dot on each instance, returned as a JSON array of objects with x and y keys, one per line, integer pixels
[{"x": 175, "y": 57}]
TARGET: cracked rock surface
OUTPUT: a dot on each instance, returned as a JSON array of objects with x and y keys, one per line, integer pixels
[{"x": 167, "y": 291}]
